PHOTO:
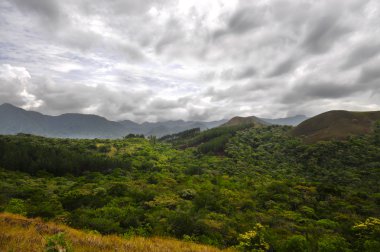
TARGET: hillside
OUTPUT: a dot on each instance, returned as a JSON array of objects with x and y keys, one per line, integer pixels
[
  {"x": 336, "y": 124},
  {"x": 268, "y": 190},
  {"x": 238, "y": 120},
  {"x": 18, "y": 233}
]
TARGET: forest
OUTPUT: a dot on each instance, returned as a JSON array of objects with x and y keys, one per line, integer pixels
[{"x": 245, "y": 188}]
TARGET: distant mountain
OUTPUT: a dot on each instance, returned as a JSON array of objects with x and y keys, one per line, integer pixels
[
  {"x": 291, "y": 121},
  {"x": 15, "y": 120},
  {"x": 336, "y": 124},
  {"x": 238, "y": 120}
]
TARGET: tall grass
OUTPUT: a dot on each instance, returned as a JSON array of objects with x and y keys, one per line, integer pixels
[{"x": 18, "y": 233}]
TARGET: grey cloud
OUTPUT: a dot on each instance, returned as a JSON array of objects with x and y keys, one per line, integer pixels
[
  {"x": 241, "y": 91},
  {"x": 238, "y": 73},
  {"x": 324, "y": 29},
  {"x": 171, "y": 34},
  {"x": 243, "y": 20},
  {"x": 315, "y": 90},
  {"x": 361, "y": 54},
  {"x": 369, "y": 74},
  {"x": 283, "y": 67},
  {"x": 246, "y": 73},
  {"x": 48, "y": 11}
]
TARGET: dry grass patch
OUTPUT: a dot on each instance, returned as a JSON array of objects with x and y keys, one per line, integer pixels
[{"x": 18, "y": 233}]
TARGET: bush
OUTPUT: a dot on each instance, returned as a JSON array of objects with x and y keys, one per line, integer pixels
[
  {"x": 16, "y": 206},
  {"x": 296, "y": 243},
  {"x": 58, "y": 243}
]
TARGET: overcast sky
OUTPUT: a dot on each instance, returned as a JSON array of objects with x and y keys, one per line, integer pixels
[{"x": 157, "y": 60}]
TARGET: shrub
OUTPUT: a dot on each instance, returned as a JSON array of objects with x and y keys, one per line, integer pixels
[
  {"x": 16, "y": 206},
  {"x": 58, "y": 243}
]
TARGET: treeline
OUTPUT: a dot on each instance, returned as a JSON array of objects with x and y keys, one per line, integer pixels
[{"x": 209, "y": 141}]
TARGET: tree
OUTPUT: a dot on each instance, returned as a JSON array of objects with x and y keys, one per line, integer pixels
[
  {"x": 368, "y": 233},
  {"x": 254, "y": 240},
  {"x": 296, "y": 243}
]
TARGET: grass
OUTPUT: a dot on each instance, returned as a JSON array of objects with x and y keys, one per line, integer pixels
[{"x": 18, "y": 233}]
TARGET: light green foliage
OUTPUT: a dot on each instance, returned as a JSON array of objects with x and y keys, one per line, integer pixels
[
  {"x": 254, "y": 240},
  {"x": 16, "y": 206},
  {"x": 58, "y": 243},
  {"x": 368, "y": 234}
]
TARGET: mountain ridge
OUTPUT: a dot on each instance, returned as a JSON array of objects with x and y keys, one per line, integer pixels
[{"x": 14, "y": 120}]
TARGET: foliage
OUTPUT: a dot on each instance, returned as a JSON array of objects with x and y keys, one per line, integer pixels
[
  {"x": 368, "y": 233},
  {"x": 296, "y": 243},
  {"x": 206, "y": 187},
  {"x": 16, "y": 206},
  {"x": 253, "y": 240}
]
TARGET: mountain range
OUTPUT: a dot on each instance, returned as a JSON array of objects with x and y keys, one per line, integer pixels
[{"x": 15, "y": 120}]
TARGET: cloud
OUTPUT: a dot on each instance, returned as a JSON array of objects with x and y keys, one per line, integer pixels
[
  {"x": 369, "y": 74},
  {"x": 361, "y": 54},
  {"x": 13, "y": 83},
  {"x": 202, "y": 59}
]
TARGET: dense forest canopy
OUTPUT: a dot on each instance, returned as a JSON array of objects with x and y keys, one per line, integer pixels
[{"x": 253, "y": 188}]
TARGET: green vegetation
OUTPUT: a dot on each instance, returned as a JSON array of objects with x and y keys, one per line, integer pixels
[{"x": 258, "y": 189}]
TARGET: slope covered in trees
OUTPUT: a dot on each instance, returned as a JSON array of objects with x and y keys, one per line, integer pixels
[{"x": 268, "y": 190}]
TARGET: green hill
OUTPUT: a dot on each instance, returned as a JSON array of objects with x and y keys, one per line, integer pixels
[{"x": 336, "y": 124}]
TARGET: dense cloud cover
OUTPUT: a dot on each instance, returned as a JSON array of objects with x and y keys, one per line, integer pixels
[{"x": 194, "y": 60}]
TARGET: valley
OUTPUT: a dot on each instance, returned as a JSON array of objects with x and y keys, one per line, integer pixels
[{"x": 241, "y": 186}]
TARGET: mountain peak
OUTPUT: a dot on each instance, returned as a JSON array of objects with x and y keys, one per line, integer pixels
[
  {"x": 8, "y": 105},
  {"x": 239, "y": 120}
]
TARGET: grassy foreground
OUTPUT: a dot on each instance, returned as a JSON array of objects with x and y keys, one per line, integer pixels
[{"x": 18, "y": 233}]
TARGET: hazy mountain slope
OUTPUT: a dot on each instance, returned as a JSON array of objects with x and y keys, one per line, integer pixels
[
  {"x": 336, "y": 124},
  {"x": 238, "y": 120},
  {"x": 15, "y": 120},
  {"x": 291, "y": 121},
  {"x": 166, "y": 128}
]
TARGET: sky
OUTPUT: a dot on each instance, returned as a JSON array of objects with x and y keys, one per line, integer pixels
[{"x": 158, "y": 60}]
